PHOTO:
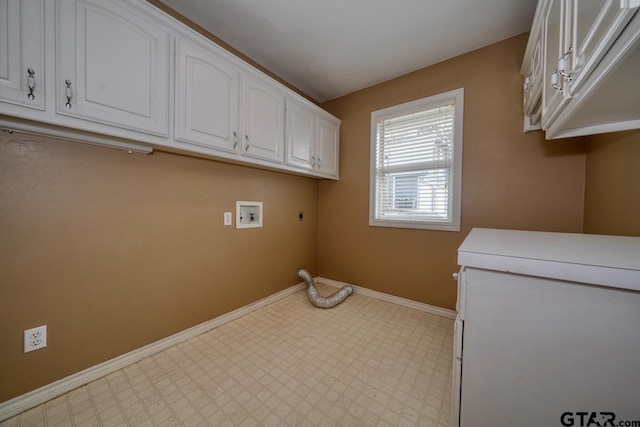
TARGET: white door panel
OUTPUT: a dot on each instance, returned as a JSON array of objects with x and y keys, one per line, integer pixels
[
  {"x": 301, "y": 135},
  {"x": 206, "y": 99},
  {"x": 22, "y": 51},
  {"x": 112, "y": 66},
  {"x": 263, "y": 135},
  {"x": 327, "y": 151}
]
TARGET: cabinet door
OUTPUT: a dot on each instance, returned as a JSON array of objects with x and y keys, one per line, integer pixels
[
  {"x": 327, "y": 140},
  {"x": 301, "y": 135},
  {"x": 554, "y": 90},
  {"x": 206, "y": 98},
  {"x": 608, "y": 100},
  {"x": 112, "y": 65},
  {"x": 263, "y": 136},
  {"x": 533, "y": 81},
  {"x": 22, "y": 52},
  {"x": 595, "y": 25}
]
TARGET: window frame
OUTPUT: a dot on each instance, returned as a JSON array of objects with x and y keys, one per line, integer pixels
[{"x": 427, "y": 103}]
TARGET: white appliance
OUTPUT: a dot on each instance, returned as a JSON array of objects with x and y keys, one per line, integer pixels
[{"x": 548, "y": 330}]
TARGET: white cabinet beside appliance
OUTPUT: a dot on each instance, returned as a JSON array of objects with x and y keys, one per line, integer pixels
[
  {"x": 532, "y": 90},
  {"x": 554, "y": 90},
  {"x": 591, "y": 59},
  {"x": 548, "y": 326},
  {"x": 595, "y": 26}
]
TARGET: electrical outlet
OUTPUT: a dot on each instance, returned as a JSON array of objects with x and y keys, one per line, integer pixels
[
  {"x": 35, "y": 339},
  {"x": 228, "y": 218}
]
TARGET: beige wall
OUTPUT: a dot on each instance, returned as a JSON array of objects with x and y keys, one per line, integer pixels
[
  {"x": 510, "y": 179},
  {"x": 612, "y": 198},
  {"x": 113, "y": 251}
]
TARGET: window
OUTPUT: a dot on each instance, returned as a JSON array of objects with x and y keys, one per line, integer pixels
[{"x": 416, "y": 163}]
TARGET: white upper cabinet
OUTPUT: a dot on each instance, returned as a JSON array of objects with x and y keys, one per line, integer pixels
[
  {"x": 554, "y": 91},
  {"x": 533, "y": 80},
  {"x": 22, "y": 52},
  {"x": 591, "y": 60},
  {"x": 263, "y": 120},
  {"x": 595, "y": 25},
  {"x": 207, "y": 94},
  {"x": 123, "y": 73},
  {"x": 301, "y": 135},
  {"x": 328, "y": 135},
  {"x": 312, "y": 139},
  {"x": 112, "y": 65}
]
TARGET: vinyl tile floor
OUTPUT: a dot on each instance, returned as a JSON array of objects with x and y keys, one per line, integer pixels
[{"x": 365, "y": 362}]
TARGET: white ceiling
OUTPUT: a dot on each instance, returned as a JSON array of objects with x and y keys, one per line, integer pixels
[{"x": 329, "y": 48}]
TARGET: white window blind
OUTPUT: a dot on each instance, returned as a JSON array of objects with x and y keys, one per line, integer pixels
[{"x": 416, "y": 163}]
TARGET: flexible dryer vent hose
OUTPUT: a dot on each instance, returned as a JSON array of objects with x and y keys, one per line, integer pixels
[{"x": 323, "y": 302}]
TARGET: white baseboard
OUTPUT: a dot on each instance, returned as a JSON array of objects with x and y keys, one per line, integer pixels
[
  {"x": 43, "y": 394},
  {"x": 432, "y": 309}
]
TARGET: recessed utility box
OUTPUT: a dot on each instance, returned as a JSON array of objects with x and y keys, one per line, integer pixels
[{"x": 248, "y": 214}]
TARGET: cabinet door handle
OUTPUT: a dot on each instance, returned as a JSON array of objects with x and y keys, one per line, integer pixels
[
  {"x": 313, "y": 161},
  {"x": 554, "y": 80},
  {"x": 248, "y": 143},
  {"x": 235, "y": 140},
  {"x": 319, "y": 162},
  {"x": 562, "y": 64},
  {"x": 31, "y": 83},
  {"x": 527, "y": 84},
  {"x": 68, "y": 93}
]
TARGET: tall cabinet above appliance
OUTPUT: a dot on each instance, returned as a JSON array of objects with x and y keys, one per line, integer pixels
[
  {"x": 580, "y": 68},
  {"x": 548, "y": 326}
]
